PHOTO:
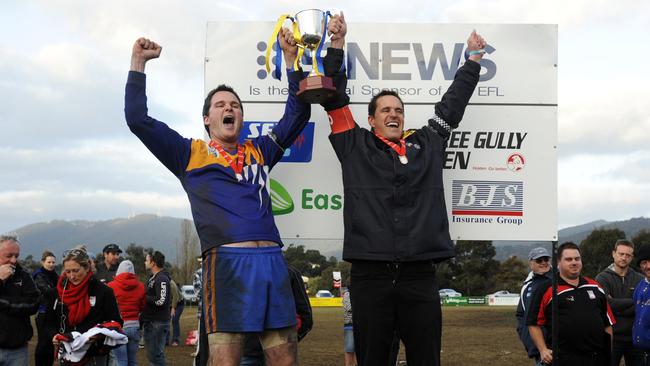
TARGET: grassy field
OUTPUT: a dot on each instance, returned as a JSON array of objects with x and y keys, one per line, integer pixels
[{"x": 470, "y": 335}]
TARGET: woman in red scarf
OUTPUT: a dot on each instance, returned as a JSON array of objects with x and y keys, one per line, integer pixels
[{"x": 84, "y": 302}]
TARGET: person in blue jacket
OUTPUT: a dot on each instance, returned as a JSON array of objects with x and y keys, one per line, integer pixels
[
  {"x": 641, "y": 298},
  {"x": 540, "y": 265}
]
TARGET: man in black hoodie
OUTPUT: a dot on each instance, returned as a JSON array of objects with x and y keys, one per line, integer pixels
[
  {"x": 619, "y": 281},
  {"x": 156, "y": 314},
  {"x": 18, "y": 301}
]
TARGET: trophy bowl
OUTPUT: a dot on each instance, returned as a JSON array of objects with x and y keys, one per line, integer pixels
[
  {"x": 311, "y": 26},
  {"x": 315, "y": 88}
]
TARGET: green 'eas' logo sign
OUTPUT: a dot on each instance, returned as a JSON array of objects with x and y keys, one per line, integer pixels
[{"x": 281, "y": 201}]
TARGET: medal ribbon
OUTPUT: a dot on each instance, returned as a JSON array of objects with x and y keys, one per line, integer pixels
[
  {"x": 237, "y": 166},
  {"x": 400, "y": 150}
]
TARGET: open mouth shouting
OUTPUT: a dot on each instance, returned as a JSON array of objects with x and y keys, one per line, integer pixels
[{"x": 229, "y": 120}]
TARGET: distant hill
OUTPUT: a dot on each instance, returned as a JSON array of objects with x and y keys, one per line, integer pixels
[
  {"x": 146, "y": 230},
  {"x": 163, "y": 233},
  {"x": 576, "y": 234}
]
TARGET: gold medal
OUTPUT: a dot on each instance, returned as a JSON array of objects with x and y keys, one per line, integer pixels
[{"x": 403, "y": 159}]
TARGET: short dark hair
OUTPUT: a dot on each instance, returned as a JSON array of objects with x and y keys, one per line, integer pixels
[
  {"x": 372, "y": 106},
  {"x": 566, "y": 245},
  {"x": 208, "y": 100},
  {"x": 623, "y": 242},
  {"x": 158, "y": 258}
]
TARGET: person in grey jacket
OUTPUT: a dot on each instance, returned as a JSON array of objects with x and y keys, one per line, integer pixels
[{"x": 619, "y": 281}]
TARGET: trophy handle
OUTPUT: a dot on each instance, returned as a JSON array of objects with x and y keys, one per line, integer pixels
[{"x": 274, "y": 39}]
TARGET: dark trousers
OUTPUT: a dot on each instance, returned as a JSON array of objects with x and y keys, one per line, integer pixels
[
  {"x": 176, "y": 326},
  {"x": 633, "y": 356},
  {"x": 389, "y": 298},
  {"x": 583, "y": 359},
  {"x": 155, "y": 335},
  {"x": 393, "y": 358},
  {"x": 46, "y": 329}
]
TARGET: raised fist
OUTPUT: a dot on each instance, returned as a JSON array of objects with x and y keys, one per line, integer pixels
[
  {"x": 143, "y": 51},
  {"x": 337, "y": 28},
  {"x": 146, "y": 49},
  {"x": 289, "y": 46},
  {"x": 475, "y": 43}
]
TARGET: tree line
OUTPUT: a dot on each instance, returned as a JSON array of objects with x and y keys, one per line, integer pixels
[{"x": 473, "y": 272}]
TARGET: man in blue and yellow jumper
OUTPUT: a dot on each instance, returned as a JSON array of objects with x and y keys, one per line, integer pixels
[{"x": 245, "y": 279}]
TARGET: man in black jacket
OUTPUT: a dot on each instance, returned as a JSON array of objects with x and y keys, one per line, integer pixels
[
  {"x": 619, "y": 281},
  {"x": 395, "y": 219},
  {"x": 157, "y": 310},
  {"x": 106, "y": 269},
  {"x": 18, "y": 301},
  {"x": 540, "y": 265}
]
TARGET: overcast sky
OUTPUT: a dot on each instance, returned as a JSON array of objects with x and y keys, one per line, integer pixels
[{"x": 66, "y": 152}]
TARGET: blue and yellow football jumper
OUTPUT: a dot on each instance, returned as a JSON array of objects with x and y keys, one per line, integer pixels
[{"x": 224, "y": 209}]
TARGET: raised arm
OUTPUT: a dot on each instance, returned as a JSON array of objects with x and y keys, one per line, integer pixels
[
  {"x": 166, "y": 144},
  {"x": 344, "y": 129},
  {"x": 449, "y": 111},
  {"x": 333, "y": 64},
  {"x": 296, "y": 112}
]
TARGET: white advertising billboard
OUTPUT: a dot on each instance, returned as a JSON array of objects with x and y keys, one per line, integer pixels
[{"x": 501, "y": 165}]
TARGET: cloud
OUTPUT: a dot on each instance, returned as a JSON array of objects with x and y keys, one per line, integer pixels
[
  {"x": 603, "y": 117},
  {"x": 603, "y": 187},
  {"x": 569, "y": 14},
  {"x": 584, "y": 203},
  {"x": 88, "y": 164}
]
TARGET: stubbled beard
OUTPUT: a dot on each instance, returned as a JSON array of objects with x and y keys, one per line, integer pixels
[{"x": 571, "y": 276}]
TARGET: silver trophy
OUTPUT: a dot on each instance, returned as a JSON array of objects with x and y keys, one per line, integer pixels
[{"x": 309, "y": 28}]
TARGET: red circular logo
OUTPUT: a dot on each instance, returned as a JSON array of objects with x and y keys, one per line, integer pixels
[{"x": 515, "y": 162}]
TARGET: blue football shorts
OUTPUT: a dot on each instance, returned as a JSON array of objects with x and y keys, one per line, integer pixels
[{"x": 246, "y": 290}]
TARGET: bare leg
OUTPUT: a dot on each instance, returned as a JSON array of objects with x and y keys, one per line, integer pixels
[
  {"x": 225, "y": 355},
  {"x": 225, "y": 348},
  {"x": 282, "y": 355},
  {"x": 350, "y": 359}
]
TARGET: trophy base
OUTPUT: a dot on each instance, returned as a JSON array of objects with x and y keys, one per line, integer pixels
[{"x": 316, "y": 89}]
